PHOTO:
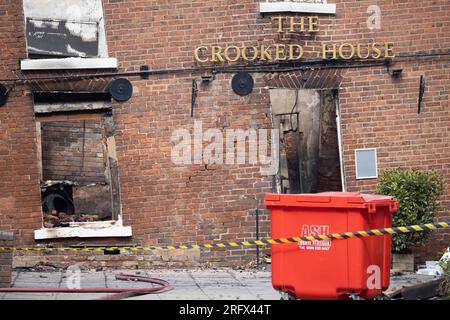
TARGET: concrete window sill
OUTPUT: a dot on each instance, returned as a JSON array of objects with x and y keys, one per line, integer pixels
[
  {"x": 68, "y": 63},
  {"x": 298, "y": 7},
  {"x": 85, "y": 230}
]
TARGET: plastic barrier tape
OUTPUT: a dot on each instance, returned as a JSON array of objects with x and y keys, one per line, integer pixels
[{"x": 261, "y": 243}]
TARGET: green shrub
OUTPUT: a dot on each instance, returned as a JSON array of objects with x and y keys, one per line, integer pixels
[{"x": 418, "y": 194}]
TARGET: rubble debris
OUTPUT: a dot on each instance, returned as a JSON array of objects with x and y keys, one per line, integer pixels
[
  {"x": 50, "y": 218},
  {"x": 413, "y": 286},
  {"x": 446, "y": 257},
  {"x": 247, "y": 267},
  {"x": 62, "y": 219},
  {"x": 432, "y": 269},
  {"x": 420, "y": 291},
  {"x": 41, "y": 267},
  {"x": 61, "y": 197}
]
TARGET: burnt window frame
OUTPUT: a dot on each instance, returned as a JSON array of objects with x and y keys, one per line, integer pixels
[{"x": 109, "y": 228}]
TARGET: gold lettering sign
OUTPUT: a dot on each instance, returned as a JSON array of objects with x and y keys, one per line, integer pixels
[{"x": 293, "y": 52}]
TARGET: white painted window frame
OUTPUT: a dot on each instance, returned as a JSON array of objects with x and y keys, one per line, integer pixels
[
  {"x": 68, "y": 64},
  {"x": 297, "y": 7},
  {"x": 376, "y": 164}
]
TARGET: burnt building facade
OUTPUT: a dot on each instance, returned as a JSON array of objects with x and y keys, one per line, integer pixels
[{"x": 166, "y": 122}]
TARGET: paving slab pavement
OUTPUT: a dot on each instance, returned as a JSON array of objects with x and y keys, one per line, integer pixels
[{"x": 188, "y": 284}]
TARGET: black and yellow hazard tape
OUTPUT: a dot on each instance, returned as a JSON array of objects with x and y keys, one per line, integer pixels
[{"x": 249, "y": 243}]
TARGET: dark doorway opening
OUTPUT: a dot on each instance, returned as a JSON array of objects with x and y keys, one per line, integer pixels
[{"x": 310, "y": 158}]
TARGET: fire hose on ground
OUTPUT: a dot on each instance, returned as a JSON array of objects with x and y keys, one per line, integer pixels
[{"x": 117, "y": 293}]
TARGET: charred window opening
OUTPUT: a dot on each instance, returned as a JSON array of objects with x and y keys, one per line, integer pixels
[
  {"x": 64, "y": 28},
  {"x": 309, "y": 145},
  {"x": 78, "y": 169},
  {"x": 50, "y": 38}
]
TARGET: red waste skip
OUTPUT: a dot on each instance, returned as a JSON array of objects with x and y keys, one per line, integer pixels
[{"x": 330, "y": 269}]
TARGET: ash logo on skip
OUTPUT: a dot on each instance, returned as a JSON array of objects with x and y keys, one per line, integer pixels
[{"x": 315, "y": 230}]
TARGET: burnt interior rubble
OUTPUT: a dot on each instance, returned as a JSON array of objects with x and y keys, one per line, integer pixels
[
  {"x": 58, "y": 204},
  {"x": 77, "y": 166}
]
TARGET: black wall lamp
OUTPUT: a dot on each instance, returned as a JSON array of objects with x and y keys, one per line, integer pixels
[
  {"x": 209, "y": 78},
  {"x": 206, "y": 80},
  {"x": 395, "y": 73},
  {"x": 145, "y": 71}
]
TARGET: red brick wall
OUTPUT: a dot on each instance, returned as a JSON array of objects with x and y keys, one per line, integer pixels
[
  {"x": 403, "y": 138},
  {"x": 20, "y": 208},
  {"x": 165, "y": 203},
  {"x": 377, "y": 111},
  {"x": 73, "y": 150},
  {"x": 329, "y": 173}
]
